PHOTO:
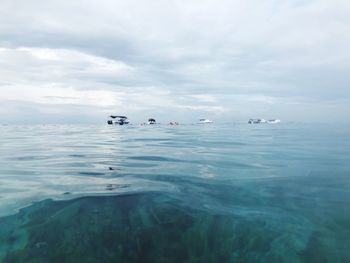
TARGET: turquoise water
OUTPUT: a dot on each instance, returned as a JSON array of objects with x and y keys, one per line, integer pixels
[{"x": 191, "y": 193}]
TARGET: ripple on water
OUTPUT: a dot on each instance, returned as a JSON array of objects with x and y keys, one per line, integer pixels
[
  {"x": 230, "y": 193},
  {"x": 154, "y": 159}
]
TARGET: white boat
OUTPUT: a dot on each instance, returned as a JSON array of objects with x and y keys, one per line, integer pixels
[
  {"x": 259, "y": 121},
  {"x": 204, "y": 121},
  {"x": 273, "y": 121},
  {"x": 256, "y": 121},
  {"x": 118, "y": 120}
]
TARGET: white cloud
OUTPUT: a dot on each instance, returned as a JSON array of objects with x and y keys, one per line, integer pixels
[
  {"x": 262, "y": 99},
  {"x": 205, "y": 98},
  {"x": 211, "y": 55},
  {"x": 56, "y": 94},
  {"x": 42, "y": 53},
  {"x": 215, "y": 109},
  {"x": 58, "y": 65}
]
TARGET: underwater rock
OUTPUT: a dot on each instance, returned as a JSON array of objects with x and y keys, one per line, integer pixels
[
  {"x": 40, "y": 244},
  {"x": 160, "y": 228}
]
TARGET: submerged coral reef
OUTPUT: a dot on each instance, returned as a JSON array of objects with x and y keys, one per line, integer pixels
[{"x": 155, "y": 227}]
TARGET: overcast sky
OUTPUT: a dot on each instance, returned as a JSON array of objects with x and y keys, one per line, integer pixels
[{"x": 78, "y": 61}]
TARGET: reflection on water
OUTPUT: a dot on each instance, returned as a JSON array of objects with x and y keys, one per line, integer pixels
[{"x": 229, "y": 193}]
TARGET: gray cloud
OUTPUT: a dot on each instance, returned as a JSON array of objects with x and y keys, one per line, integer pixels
[{"x": 226, "y": 59}]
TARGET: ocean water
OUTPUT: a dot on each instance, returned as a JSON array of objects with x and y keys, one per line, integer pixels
[{"x": 188, "y": 193}]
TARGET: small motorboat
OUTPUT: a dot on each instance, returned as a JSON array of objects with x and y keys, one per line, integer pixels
[
  {"x": 151, "y": 121},
  {"x": 273, "y": 121},
  {"x": 204, "y": 121},
  {"x": 257, "y": 121},
  {"x": 118, "y": 120}
]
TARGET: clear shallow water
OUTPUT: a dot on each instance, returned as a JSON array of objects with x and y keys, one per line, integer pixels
[{"x": 194, "y": 193}]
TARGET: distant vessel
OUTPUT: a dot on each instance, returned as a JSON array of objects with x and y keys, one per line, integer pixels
[
  {"x": 256, "y": 121},
  {"x": 118, "y": 120},
  {"x": 259, "y": 121},
  {"x": 273, "y": 121},
  {"x": 204, "y": 121},
  {"x": 151, "y": 121}
]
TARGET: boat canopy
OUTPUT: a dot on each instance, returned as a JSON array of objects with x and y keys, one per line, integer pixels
[{"x": 116, "y": 116}]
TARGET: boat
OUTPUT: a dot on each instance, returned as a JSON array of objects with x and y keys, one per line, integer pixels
[
  {"x": 204, "y": 121},
  {"x": 118, "y": 120},
  {"x": 257, "y": 121},
  {"x": 151, "y": 121},
  {"x": 273, "y": 121}
]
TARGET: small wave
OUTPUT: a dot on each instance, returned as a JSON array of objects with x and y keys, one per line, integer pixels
[{"x": 154, "y": 158}]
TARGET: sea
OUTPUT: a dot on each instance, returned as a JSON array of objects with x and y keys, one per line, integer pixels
[{"x": 232, "y": 192}]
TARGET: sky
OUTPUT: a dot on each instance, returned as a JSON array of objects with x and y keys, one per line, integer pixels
[{"x": 79, "y": 61}]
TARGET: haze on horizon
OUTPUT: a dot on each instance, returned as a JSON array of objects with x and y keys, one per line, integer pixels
[{"x": 229, "y": 60}]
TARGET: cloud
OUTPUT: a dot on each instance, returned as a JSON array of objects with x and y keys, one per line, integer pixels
[
  {"x": 205, "y": 98},
  {"x": 47, "y": 64},
  {"x": 215, "y": 109},
  {"x": 212, "y": 56}
]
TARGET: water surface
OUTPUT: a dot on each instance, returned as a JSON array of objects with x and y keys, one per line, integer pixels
[{"x": 191, "y": 193}]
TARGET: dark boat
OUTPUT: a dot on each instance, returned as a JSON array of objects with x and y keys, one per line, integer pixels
[
  {"x": 118, "y": 120},
  {"x": 151, "y": 121}
]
